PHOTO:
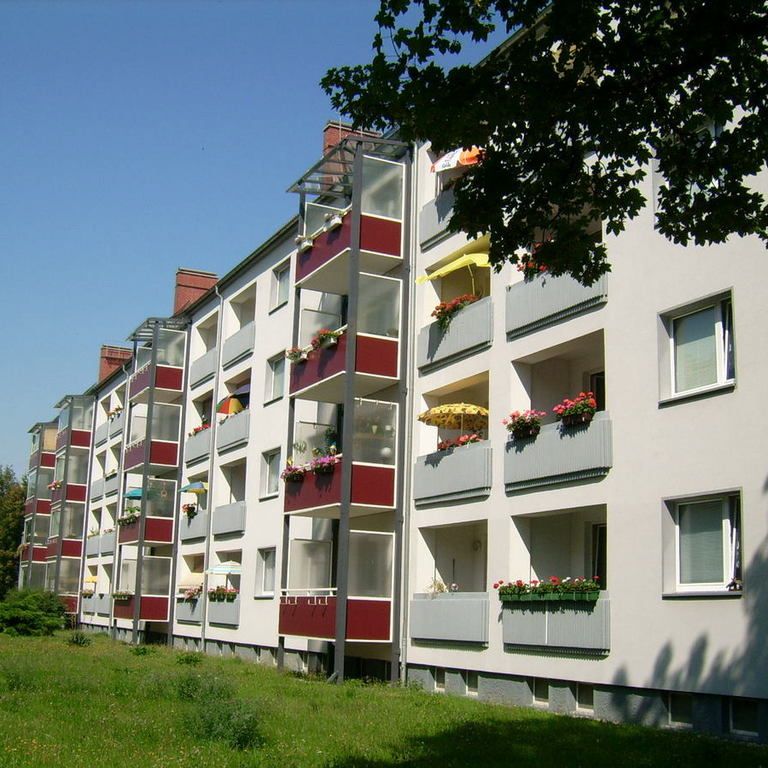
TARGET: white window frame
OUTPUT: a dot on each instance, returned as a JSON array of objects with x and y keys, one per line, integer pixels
[
  {"x": 723, "y": 338},
  {"x": 266, "y": 492},
  {"x": 727, "y": 553},
  {"x": 277, "y": 275},
  {"x": 261, "y": 572},
  {"x": 270, "y": 394}
]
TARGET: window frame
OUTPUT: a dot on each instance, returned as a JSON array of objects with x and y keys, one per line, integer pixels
[
  {"x": 261, "y": 572},
  {"x": 275, "y": 302},
  {"x": 270, "y": 395},
  {"x": 266, "y": 492}
]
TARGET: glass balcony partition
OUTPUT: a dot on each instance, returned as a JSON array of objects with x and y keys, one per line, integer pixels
[
  {"x": 375, "y": 432},
  {"x": 127, "y": 581},
  {"x": 77, "y": 467},
  {"x": 55, "y": 525},
  {"x": 81, "y": 413},
  {"x": 161, "y": 497},
  {"x": 382, "y": 193},
  {"x": 69, "y": 575},
  {"x": 312, "y": 320},
  {"x": 310, "y": 437},
  {"x": 44, "y": 479},
  {"x": 309, "y": 568},
  {"x": 155, "y": 575},
  {"x": 379, "y": 306},
  {"x": 32, "y": 484},
  {"x": 42, "y": 528},
  {"x": 171, "y": 347},
  {"x": 370, "y": 564},
  {"x": 166, "y": 422},
  {"x": 315, "y": 216},
  {"x": 63, "y": 420},
  {"x": 72, "y": 519}
]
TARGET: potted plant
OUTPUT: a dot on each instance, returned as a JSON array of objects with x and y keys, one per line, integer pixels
[
  {"x": 54, "y": 486},
  {"x": 445, "y": 310},
  {"x": 190, "y": 510},
  {"x": 296, "y": 354},
  {"x": 87, "y": 593},
  {"x": 191, "y": 594},
  {"x": 458, "y": 442},
  {"x": 303, "y": 243},
  {"x": 217, "y": 594},
  {"x": 324, "y": 464},
  {"x": 552, "y": 589},
  {"x": 333, "y": 220},
  {"x": 524, "y": 424},
  {"x": 130, "y": 516},
  {"x": 197, "y": 430},
  {"x": 293, "y": 473},
  {"x": 325, "y": 338},
  {"x": 122, "y": 596},
  {"x": 230, "y": 594},
  {"x": 580, "y": 410}
]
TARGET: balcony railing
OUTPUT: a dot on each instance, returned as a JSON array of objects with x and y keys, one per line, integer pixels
[
  {"x": 194, "y": 528},
  {"x": 239, "y": 345},
  {"x": 582, "y": 625},
  {"x": 233, "y": 432},
  {"x": 229, "y": 519},
  {"x": 151, "y": 608},
  {"x": 158, "y": 453},
  {"x": 88, "y": 604},
  {"x": 103, "y": 604},
  {"x": 111, "y": 484},
  {"x": 168, "y": 380},
  {"x": 434, "y": 217},
  {"x": 92, "y": 546},
  {"x": 458, "y": 617},
  {"x": 116, "y": 424},
  {"x": 156, "y": 530},
  {"x": 532, "y": 304},
  {"x": 560, "y": 455},
  {"x": 189, "y": 611},
  {"x": 97, "y": 488},
  {"x": 198, "y": 446},
  {"x": 224, "y": 612},
  {"x": 470, "y": 330},
  {"x": 453, "y": 475},
  {"x": 101, "y": 434},
  {"x": 203, "y": 368},
  {"x": 107, "y": 543},
  {"x": 368, "y": 619}
]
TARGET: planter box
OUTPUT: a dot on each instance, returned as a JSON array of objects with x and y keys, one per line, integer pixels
[
  {"x": 546, "y": 299},
  {"x": 471, "y": 329},
  {"x": 457, "y": 474},
  {"x": 234, "y": 431},
  {"x": 229, "y": 518},
  {"x": 559, "y": 455},
  {"x": 459, "y": 617},
  {"x": 203, "y": 368},
  {"x": 224, "y": 612},
  {"x": 196, "y": 528},
  {"x": 190, "y": 611},
  {"x": 198, "y": 446},
  {"x": 238, "y": 345},
  {"x": 577, "y": 625}
]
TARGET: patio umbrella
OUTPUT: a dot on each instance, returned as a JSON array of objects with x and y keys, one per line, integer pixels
[
  {"x": 198, "y": 487},
  {"x": 457, "y": 157},
  {"x": 456, "y": 416},
  {"x": 227, "y": 568},
  {"x": 230, "y": 405},
  {"x": 133, "y": 493}
]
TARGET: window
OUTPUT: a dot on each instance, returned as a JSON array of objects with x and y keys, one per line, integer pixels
[
  {"x": 680, "y": 708},
  {"x": 585, "y": 697},
  {"x": 708, "y": 544},
  {"x": 744, "y": 717},
  {"x": 702, "y": 350},
  {"x": 275, "y": 378},
  {"x": 265, "y": 573},
  {"x": 540, "y": 691},
  {"x": 280, "y": 285},
  {"x": 270, "y": 480}
]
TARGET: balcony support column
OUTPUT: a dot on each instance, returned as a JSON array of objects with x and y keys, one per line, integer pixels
[{"x": 348, "y": 431}]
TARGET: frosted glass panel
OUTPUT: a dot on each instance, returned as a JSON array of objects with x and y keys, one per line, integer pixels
[
  {"x": 161, "y": 497},
  {"x": 312, "y": 320},
  {"x": 695, "y": 350},
  {"x": 310, "y": 565},
  {"x": 170, "y": 347},
  {"x": 69, "y": 575},
  {"x": 701, "y": 543},
  {"x": 128, "y": 575},
  {"x": 375, "y": 432},
  {"x": 382, "y": 188},
  {"x": 379, "y": 309},
  {"x": 156, "y": 575},
  {"x": 72, "y": 519},
  {"x": 77, "y": 467},
  {"x": 165, "y": 422},
  {"x": 370, "y": 564}
]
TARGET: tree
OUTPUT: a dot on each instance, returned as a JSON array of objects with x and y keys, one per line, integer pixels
[
  {"x": 12, "y": 496},
  {"x": 571, "y": 111}
]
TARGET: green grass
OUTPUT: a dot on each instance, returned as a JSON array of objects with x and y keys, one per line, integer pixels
[{"x": 102, "y": 705}]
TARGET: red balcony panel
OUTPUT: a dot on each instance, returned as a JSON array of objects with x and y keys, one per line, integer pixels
[
  {"x": 162, "y": 452},
  {"x": 380, "y": 235},
  {"x": 48, "y": 459},
  {"x": 43, "y": 507},
  {"x": 373, "y": 486},
  {"x": 80, "y": 438},
  {"x": 128, "y": 533},
  {"x": 156, "y": 529},
  {"x": 71, "y": 548},
  {"x": 140, "y": 381},
  {"x": 166, "y": 377},
  {"x": 321, "y": 364},
  {"x": 325, "y": 247},
  {"x": 376, "y": 357},
  {"x": 368, "y": 619},
  {"x": 151, "y": 608},
  {"x": 70, "y": 603},
  {"x": 75, "y": 492},
  {"x": 39, "y": 554},
  {"x": 134, "y": 455},
  {"x": 314, "y": 491},
  {"x": 308, "y": 616}
]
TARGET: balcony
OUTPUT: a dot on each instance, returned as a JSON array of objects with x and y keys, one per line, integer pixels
[
  {"x": 470, "y": 331},
  {"x": 103, "y": 604},
  {"x": 325, "y": 266},
  {"x": 373, "y": 490},
  {"x": 39, "y": 553},
  {"x": 88, "y": 604},
  {"x": 64, "y": 547},
  {"x": 189, "y": 611},
  {"x": 239, "y": 345},
  {"x": 315, "y": 617},
  {"x": 80, "y": 438},
  {"x": 168, "y": 383},
  {"x": 545, "y": 300},
  {"x": 111, "y": 484},
  {"x": 92, "y": 546},
  {"x": 458, "y": 617},
  {"x": 578, "y": 626},
  {"x": 198, "y": 446},
  {"x": 225, "y": 612},
  {"x": 560, "y": 455},
  {"x": 97, "y": 489},
  {"x": 453, "y": 475},
  {"x": 193, "y": 528},
  {"x": 107, "y": 543},
  {"x": 434, "y": 217},
  {"x": 160, "y": 454},
  {"x": 234, "y": 431},
  {"x": 101, "y": 434},
  {"x": 322, "y": 376},
  {"x": 69, "y": 492},
  {"x": 158, "y": 530},
  {"x": 229, "y": 519},
  {"x": 151, "y": 608},
  {"x": 116, "y": 424},
  {"x": 203, "y": 368}
]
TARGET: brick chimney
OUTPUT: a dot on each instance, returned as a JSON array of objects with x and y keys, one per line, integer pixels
[
  {"x": 335, "y": 132},
  {"x": 191, "y": 284},
  {"x": 112, "y": 358}
]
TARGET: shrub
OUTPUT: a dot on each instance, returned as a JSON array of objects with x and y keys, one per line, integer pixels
[
  {"x": 79, "y": 638},
  {"x": 233, "y": 722},
  {"x": 194, "y": 686},
  {"x": 31, "y": 612},
  {"x": 190, "y": 658}
]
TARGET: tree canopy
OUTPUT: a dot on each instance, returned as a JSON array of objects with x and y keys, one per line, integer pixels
[
  {"x": 12, "y": 496},
  {"x": 572, "y": 110}
]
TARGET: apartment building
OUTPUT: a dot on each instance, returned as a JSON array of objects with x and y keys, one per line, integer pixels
[{"x": 311, "y": 519}]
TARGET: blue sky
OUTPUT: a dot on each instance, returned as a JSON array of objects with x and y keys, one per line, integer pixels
[{"x": 137, "y": 137}]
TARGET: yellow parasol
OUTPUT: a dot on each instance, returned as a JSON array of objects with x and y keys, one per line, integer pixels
[{"x": 456, "y": 416}]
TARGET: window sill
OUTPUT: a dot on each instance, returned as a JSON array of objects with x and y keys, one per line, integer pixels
[
  {"x": 269, "y": 496},
  {"x": 709, "y": 594},
  {"x": 264, "y": 597},
  {"x": 277, "y": 307},
  {"x": 715, "y": 389},
  {"x": 273, "y": 400}
]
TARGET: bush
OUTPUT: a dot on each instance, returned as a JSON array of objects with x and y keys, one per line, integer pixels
[
  {"x": 193, "y": 686},
  {"x": 31, "y": 612},
  {"x": 79, "y": 638},
  {"x": 190, "y": 658},
  {"x": 141, "y": 650},
  {"x": 232, "y": 722}
]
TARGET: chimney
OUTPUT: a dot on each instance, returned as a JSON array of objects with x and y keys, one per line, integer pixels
[
  {"x": 112, "y": 358},
  {"x": 334, "y": 133},
  {"x": 191, "y": 284}
]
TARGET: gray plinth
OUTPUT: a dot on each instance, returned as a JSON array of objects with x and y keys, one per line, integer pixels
[
  {"x": 233, "y": 432},
  {"x": 239, "y": 345},
  {"x": 194, "y": 528},
  {"x": 459, "y": 617},
  {"x": 229, "y": 518},
  {"x": 197, "y": 446},
  {"x": 223, "y": 612},
  {"x": 203, "y": 368},
  {"x": 461, "y": 473}
]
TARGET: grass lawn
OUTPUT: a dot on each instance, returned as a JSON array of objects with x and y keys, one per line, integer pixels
[{"x": 103, "y": 705}]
